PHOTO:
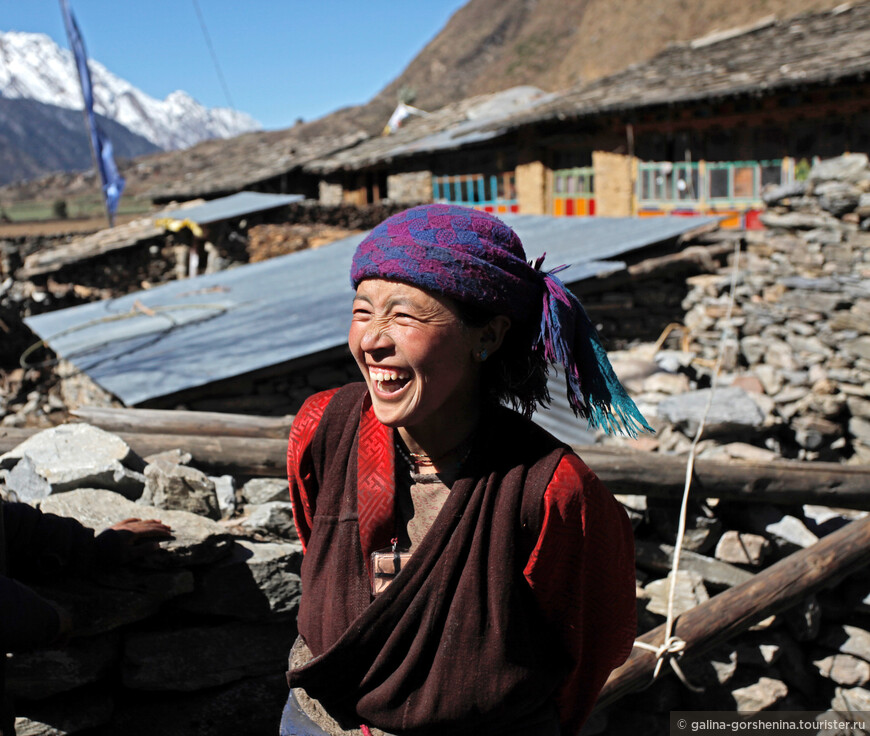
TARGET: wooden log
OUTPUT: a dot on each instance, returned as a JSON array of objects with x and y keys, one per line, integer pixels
[
  {"x": 170, "y": 421},
  {"x": 624, "y": 471},
  {"x": 696, "y": 255},
  {"x": 632, "y": 472},
  {"x": 779, "y": 587},
  {"x": 219, "y": 455}
]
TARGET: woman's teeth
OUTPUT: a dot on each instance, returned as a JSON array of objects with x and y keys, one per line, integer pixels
[{"x": 381, "y": 377}]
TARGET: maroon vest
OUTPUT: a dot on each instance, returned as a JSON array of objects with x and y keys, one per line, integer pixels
[{"x": 456, "y": 644}]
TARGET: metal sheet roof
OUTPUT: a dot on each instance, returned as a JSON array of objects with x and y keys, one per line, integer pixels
[
  {"x": 235, "y": 205},
  {"x": 190, "y": 333}
]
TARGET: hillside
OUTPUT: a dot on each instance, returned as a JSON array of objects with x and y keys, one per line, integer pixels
[
  {"x": 35, "y": 138},
  {"x": 490, "y": 45}
]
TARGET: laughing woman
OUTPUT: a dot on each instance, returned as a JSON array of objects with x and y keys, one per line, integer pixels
[{"x": 464, "y": 571}]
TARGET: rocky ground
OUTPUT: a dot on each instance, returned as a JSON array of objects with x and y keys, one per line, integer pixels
[{"x": 193, "y": 643}]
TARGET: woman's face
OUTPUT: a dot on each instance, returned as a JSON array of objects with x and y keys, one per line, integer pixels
[{"x": 416, "y": 356}]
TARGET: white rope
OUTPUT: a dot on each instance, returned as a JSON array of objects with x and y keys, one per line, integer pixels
[{"x": 673, "y": 646}]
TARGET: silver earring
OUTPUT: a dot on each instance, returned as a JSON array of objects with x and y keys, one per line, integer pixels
[{"x": 482, "y": 355}]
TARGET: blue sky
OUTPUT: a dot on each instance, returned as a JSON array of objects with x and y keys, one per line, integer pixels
[{"x": 281, "y": 59}]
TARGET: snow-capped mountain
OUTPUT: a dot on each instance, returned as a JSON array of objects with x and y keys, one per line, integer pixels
[{"x": 34, "y": 67}]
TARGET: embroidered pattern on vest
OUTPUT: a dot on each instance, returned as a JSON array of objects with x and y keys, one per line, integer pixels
[{"x": 375, "y": 476}]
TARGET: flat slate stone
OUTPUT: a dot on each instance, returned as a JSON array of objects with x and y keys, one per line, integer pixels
[
  {"x": 258, "y": 580},
  {"x": 63, "y": 715},
  {"x": 24, "y": 480},
  {"x": 851, "y": 701},
  {"x": 690, "y": 592},
  {"x": 81, "y": 456},
  {"x": 759, "y": 695},
  {"x": 742, "y": 548},
  {"x": 116, "y": 599},
  {"x": 197, "y": 541},
  {"x": 844, "y": 669},
  {"x": 732, "y": 410},
  {"x": 264, "y": 490},
  {"x": 847, "y": 639},
  {"x": 275, "y": 517},
  {"x": 179, "y": 487},
  {"x": 46, "y": 672},
  {"x": 249, "y": 706},
  {"x": 661, "y": 557}
]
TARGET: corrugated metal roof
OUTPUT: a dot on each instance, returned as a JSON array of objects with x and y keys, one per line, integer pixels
[
  {"x": 191, "y": 333},
  {"x": 235, "y": 205},
  {"x": 558, "y": 418}
]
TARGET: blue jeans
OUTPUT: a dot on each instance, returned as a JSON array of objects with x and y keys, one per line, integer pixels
[{"x": 294, "y": 722}]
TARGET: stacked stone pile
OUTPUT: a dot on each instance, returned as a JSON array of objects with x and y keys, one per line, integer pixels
[
  {"x": 795, "y": 374},
  {"x": 194, "y": 642}
]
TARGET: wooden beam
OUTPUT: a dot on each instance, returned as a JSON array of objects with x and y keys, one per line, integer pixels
[
  {"x": 624, "y": 471},
  {"x": 779, "y": 587},
  {"x": 658, "y": 475},
  {"x": 172, "y": 421}
]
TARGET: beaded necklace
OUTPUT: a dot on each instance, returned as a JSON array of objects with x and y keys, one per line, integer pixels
[{"x": 416, "y": 460}]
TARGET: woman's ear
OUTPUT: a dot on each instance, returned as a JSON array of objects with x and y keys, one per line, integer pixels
[{"x": 492, "y": 335}]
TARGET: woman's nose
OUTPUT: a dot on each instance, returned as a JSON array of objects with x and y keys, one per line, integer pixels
[{"x": 376, "y": 337}]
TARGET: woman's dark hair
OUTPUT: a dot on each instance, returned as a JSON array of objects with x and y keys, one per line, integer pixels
[{"x": 516, "y": 374}]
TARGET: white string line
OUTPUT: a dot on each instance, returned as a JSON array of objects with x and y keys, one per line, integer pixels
[{"x": 674, "y": 645}]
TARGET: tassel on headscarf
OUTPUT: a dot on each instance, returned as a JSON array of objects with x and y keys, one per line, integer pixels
[{"x": 568, "y": 337}]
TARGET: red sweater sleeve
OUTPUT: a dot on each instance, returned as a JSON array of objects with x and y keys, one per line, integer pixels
[
  {"x": 300, "y": 471},
  {"x": 582, "y": 572}
]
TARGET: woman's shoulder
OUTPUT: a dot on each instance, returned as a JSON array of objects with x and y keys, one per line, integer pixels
[
  {"x": 316, "y": 404},
  {"x": 313, "y": 409}
]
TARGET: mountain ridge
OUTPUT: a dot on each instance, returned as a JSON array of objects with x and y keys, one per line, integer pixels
[
  {"x": 33, "y": 66},
  {"x": 35, "y": 70}
]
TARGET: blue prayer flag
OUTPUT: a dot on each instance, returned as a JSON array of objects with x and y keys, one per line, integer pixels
[{"x": 113, "y": 182}]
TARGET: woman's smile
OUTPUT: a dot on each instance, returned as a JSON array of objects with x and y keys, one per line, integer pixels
[
  {"x": 388, "y": 381},
  {"x": 415, "y": 355}
]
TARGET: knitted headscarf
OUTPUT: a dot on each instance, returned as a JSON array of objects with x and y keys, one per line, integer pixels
[{"x": 473, "y": 257}]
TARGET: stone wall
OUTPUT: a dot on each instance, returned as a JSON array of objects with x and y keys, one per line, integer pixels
[
  {"x": 411, "y": 187},
  {"x": 329, "y": 193},
  {"x": 614, "y": 184},
  {"x": 800, "y": 329},
  {"x": 193, "y": 640}
]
